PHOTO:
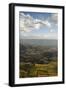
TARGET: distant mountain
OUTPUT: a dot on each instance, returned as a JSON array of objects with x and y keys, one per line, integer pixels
[{"x": 40, "y": 42}]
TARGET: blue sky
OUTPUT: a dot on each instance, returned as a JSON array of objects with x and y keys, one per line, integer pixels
[
  {"x": 35, "y": 25},
  {"x": 41, "y": 16}
]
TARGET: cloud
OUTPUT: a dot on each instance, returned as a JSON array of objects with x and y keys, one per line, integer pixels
[
  {"x": 54, "y": 18},
  {"x": 28, "y": 23}
]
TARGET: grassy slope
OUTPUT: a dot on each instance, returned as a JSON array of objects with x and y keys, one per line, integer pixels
[{"x": 38, "y": 70}]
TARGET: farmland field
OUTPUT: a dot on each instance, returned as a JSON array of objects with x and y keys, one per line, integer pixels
[
  {"x": 39, "y": 70},
  {"x": 38, "y": 60}
]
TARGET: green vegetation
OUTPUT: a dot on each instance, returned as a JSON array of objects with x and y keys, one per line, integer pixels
[
  {"x": 38, "y": 70},
  {"x": 38, "y": 61}
]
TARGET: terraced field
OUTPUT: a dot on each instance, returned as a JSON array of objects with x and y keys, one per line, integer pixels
[{"x": 38, "y": 70}]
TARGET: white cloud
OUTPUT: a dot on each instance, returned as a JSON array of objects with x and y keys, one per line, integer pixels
[
  {"x": 27, "y": 23},
  {"x": 54, "y": 18}
]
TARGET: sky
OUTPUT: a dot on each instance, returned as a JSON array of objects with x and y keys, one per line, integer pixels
[{"x": 35, "y": 25}]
